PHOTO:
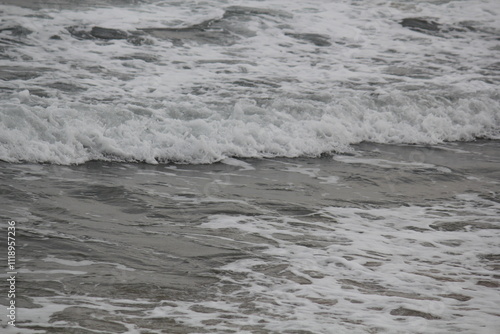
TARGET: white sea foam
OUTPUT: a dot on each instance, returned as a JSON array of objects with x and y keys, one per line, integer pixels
[
  {"x": 330, "y": 179},
  {"x": 391, "y": 164},
  {"x": 68, "y": 262},
  {"x": 84, "y": 263},
  {"x": 52, "y": 272},
  {"x": 366, "y": 266},
  {"x": 48, "y": 307},
  {"x": 276, "y": 79},
  {"x": 75, "y": 133}
]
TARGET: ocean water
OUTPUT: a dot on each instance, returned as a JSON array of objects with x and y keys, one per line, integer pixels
[
  {"x": 196, "y": 82},
  {"x": 251, "y": 167}
]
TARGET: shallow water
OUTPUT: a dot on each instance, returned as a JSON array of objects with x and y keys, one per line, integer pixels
[
  {"x": 388, "y": 239},
  {"x": 251, "y": 167}
]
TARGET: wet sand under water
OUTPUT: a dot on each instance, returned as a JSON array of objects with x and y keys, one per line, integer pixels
[{"x": 388, "y": 239}]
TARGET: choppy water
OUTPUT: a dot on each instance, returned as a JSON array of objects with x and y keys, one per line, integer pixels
[
  {"x": 251, "y": 167},
  {"x": 199, "y": 81}
]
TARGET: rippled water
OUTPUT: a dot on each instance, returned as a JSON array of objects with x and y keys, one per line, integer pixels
[
  {"x": 251, "y": 167},
  {"x": 390, "y": 239}
]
